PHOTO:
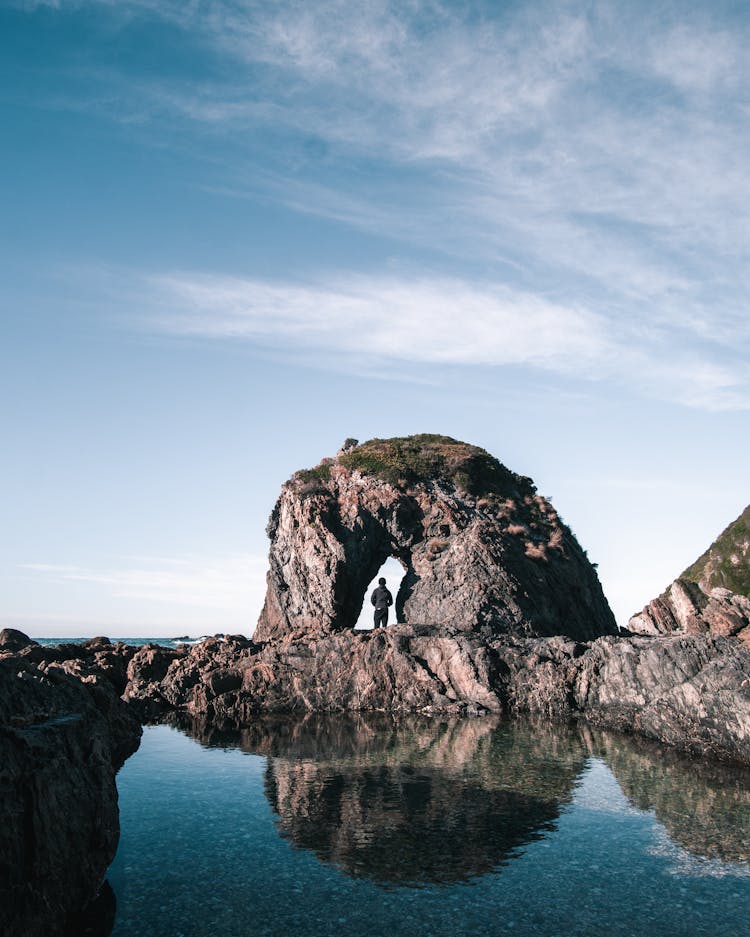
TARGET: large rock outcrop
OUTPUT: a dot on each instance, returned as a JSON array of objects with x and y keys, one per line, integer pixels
[
  {"x": 64, "y": 733},
  {"x": 481, "y": 550},
  {"x": 712, "y": 595}
]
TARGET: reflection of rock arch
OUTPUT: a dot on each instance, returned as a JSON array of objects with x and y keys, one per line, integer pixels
[
  {"x": 481, "y": 549},
  {"x": 426, "y": 803},
  {"x": 395, "y": 825}
]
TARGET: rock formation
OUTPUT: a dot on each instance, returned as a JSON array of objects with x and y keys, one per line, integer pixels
[
  {"x": 64, "y": 733},
  {"x": 692, "y": 692},
  {"x": 481, "y": 550},
  {"x": 712, "y": 595}
]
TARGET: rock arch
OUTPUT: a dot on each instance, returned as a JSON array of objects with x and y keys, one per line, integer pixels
[{"x": 482, "y": 550}]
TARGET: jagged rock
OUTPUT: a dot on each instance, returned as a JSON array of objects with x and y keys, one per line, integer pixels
[
  {"x": 712, "y": 595},
  {"x": 63, "y": 735},
  {"x": 692, "y": 692},
  {"x": 482, "y": 550}
]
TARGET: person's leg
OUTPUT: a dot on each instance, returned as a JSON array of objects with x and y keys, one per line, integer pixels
[{"x": 381, "y": 617}]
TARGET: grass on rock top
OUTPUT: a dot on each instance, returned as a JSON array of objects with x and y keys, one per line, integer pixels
[
  {"x": 405, "y": 461},
  {"x": 726, "y": 563}
]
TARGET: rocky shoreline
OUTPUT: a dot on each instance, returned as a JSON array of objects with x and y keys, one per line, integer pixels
[
  {"x": 71, "y": 714},
  {"x": 514, "y": 622},
  {"x": 64, "y": 734},
  {"x": 691, "y": 692}
]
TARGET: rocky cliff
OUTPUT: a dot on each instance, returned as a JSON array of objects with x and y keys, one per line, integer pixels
[
  {"x": 64, "y": 733},
  {"x": 481, "y": 549},
  {"x": 712, "y": 595}
]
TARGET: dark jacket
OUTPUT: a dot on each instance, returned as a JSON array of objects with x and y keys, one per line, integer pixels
[{"x": 381, "y": 597}]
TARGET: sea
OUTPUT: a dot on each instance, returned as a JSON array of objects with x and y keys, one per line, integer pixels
[
  {"x": 133, "y": 642},
  {"x": 369, "y": 825}
]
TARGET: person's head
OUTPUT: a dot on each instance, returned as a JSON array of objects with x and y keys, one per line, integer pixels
[{"x": 381, "y": 581}]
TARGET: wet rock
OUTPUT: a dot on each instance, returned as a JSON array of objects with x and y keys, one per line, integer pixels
[
  {"x": 64, "y": 733},
  {"x": 482, "y": 551}
]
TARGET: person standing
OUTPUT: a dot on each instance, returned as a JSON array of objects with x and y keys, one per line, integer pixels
[{"x": 382, "y": 599}]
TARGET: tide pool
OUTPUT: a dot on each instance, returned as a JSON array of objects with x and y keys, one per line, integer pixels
[{"x": 371, "y": 826}]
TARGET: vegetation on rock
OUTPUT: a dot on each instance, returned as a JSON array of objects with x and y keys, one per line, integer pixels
[
  {"x": 726, "y": 563},
  {"x": 409, "y": 460}
]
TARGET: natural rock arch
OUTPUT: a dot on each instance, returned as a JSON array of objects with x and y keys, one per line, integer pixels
[{"x": 482, "y": 550}]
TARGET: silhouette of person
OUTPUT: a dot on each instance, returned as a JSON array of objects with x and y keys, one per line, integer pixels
[{"x": 381, "y": 598}]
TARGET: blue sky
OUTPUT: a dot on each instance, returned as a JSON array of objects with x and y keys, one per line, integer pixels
[{"x": 235, "y": 233}]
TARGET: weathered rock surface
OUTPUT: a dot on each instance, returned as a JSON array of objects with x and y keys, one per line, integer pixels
[
  {"x": 482, "y": 551},
  {"x": 711, "y": 596},
  {"x": 692, "y": 692},
  {"x": 64, "y": 733}
]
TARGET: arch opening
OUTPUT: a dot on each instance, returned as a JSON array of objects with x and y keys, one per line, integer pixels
[{"x": 394, "y": 571}]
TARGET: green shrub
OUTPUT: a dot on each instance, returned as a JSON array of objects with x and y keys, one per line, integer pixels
[{"x": 409, "y": 460}]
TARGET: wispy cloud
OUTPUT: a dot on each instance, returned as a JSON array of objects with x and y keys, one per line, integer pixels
[
  {"x": 593, "y": 158},
  {"x": 220, "y": 584},
  {"x": 435, "y": 321}
]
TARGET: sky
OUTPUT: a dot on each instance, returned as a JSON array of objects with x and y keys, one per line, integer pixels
[{"x": 234, "y": 233}]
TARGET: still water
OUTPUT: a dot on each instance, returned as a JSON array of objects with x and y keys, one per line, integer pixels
[{"x": 426, "y": 827}]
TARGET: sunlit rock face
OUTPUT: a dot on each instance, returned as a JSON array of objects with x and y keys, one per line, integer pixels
[
  {"x": 481, "y": 549},
  {"x": 711, "y": 596}
]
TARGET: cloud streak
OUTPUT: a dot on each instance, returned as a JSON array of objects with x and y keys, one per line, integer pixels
[
  {"x": 361, "y": 322},
  {"x": 222, "y": 584},
  {"x": 593, "y": 158},
  {"x": 436, "y": 321}
]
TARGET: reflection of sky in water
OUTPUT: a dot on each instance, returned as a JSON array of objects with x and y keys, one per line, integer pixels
[{"x": 201, "y": 851}]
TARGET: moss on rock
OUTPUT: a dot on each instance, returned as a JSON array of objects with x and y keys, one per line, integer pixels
[
  {"x": 405, "y": 461},
  {"x": 726, "y": 563}
]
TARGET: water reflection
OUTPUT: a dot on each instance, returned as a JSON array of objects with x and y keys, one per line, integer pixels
[
  {"x": 704, "y": 805},
  {"x": 417, "y": 801},
  {"x": 414, "y": 801}
]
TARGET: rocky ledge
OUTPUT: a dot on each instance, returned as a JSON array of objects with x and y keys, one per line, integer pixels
[
  {"x": 691, "y": 692},
  {"x": 64, "y": 733}
]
